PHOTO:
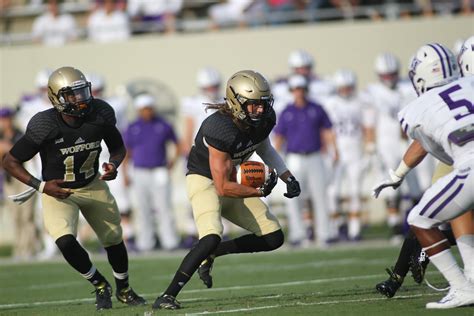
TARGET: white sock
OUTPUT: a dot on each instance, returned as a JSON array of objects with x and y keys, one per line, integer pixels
[
  {"x": 89, "y": 274},
  {"x": 354, "y": 227},
  {"x": 466, "y": 248},
  {"x": 447, "y": 265}
]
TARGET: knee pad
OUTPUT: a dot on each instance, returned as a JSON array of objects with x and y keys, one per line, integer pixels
[
  {"x": 66, "y": 242},
  {"x": 274, "y": 240}
]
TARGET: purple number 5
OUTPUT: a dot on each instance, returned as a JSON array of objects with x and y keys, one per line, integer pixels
[{"x": 456, "y": 104}]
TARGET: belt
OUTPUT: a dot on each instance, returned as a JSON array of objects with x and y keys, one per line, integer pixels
[{"x": 304, "y": 153}]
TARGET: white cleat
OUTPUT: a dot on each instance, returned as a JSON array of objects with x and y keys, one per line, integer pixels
[{"x": 454, "y": 298}]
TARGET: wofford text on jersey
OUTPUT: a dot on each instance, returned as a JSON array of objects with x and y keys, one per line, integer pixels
[{"x": 80, "y": 147}]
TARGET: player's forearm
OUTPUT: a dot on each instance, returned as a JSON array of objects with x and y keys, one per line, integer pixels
[
  {"x": 117, "y": 156},
  {"x": 414, "y": 154},
  {"x": 235, "y": 190},
  {"x": 15, "y": 168}
]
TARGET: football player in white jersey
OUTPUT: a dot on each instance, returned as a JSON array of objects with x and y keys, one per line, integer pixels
[
  {"x": 346, "y": 111},
  {"x": 301, "y": 63},
  {"x": 441, "y": 122},
  {"x": 386, "y": 97}
]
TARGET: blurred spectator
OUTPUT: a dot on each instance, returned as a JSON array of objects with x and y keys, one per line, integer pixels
[
  {"x": 53, "y": 28},
  {"x": 118, "y": 186},
  {"x": 348, "y": 115},
  {"x": 304, "y": 127},
  {"x": 233, "y": 12},
  {"x": 146, "y": 140},
  {"x": 25, "y": 242},
  {"x": 302, "y": 63},
  {"x": 107, "y": 23},
  {"x": 31, "y": 104},
  {"x": 193, "y": 111},
  {"x": 156, "y": 15}
]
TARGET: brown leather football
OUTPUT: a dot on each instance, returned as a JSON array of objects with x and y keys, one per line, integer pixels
[{"x": 251, "y": 173}]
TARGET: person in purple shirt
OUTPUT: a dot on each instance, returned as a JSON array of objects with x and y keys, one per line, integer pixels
[
  {"x": 304, "y": 131},
  {"x": 146, "y": 140}
]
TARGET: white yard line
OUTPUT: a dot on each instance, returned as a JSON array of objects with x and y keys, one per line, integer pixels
[
  {"x": 249, "y": 309},
  {"x": 236, "y": 288}
]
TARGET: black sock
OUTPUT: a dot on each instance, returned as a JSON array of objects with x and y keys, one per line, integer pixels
[
  {"x": 410, "y": 247},
  {"x": 78, "y": 258},
  {"x": 118, "y": 259},
  {"x": 251, "y": 243},
  {"x": 191, "y": 262}
]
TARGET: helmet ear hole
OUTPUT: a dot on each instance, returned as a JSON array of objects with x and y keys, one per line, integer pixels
[{"x": 61, "y": 99}]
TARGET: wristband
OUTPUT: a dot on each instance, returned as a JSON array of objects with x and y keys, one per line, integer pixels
[
  {"x": 34, "y": 183},
  {"x": 41, "y": 186},
  {"x": 115, "y": 163},
  {"x": 402, "y": 169}
]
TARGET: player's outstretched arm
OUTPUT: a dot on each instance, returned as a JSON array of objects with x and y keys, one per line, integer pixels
[{"x": 412, "y": 157}]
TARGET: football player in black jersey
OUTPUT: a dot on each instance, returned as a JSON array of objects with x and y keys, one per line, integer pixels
[
  {"x": 228, "y": 137},
  {"x": 68, "y": 137}
]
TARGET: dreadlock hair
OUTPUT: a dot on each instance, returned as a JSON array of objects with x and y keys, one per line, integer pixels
[{"x": 226, "y": 110}]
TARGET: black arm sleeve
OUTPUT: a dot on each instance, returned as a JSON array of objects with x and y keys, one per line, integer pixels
[
  {"x": 24, "y": 149},
  {"x": 112, "y": 138}
]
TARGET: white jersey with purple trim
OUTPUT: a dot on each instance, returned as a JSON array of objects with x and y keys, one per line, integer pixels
[
  {"x": 386, "y": 103},
  {"x": 442, "y": 120},
  {"x": 348, "y": 118}
]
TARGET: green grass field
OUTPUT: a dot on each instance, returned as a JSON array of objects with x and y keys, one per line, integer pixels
[{"x": 286, "y": 282}]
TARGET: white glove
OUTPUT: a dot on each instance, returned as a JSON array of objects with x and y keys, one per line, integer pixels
[
  {"x": 393, "y": 182},
  {"x": 22, "y": 197}
]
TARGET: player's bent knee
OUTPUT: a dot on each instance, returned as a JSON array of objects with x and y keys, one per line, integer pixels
[
  {"x": 416, "y": 220},
  {"x": 112, "y": 237},
  {"x": 274, "y": 240},
  {"x": 209, "y": 242}
]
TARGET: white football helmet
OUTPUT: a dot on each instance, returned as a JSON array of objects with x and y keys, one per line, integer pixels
[
  {"x": 208, "y": 77},
  {"x": 300, "y": 58},
  {"x": 344, "y": 78},
  {"x": 386, "y": 63},
  {"x": 466, "y": 57},
  {"x": 432, "y": 66}
]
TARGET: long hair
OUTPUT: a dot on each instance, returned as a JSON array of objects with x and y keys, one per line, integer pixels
[{"x": 225, "y": 109}]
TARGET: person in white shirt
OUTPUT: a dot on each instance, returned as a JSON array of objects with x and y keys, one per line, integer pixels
[
  {"x": 108, "y": 24},
  {"x": 53, "y": 28},
  {"x": 301, "y": 63},
  {"x": 386, "y": 98},
  {"x": 156, "y": 15},
  {"x": 347, "y": 113},
  {"x": 441, "y": 122}
]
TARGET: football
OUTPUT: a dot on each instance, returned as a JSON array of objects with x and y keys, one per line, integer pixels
[{"x": 251, "y": 173}]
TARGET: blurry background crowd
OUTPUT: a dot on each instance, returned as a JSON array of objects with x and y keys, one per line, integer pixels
[{"x": 338, "y": 135}]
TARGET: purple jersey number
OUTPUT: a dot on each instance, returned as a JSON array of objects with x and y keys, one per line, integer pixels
[{"x": 456, "y": 104}]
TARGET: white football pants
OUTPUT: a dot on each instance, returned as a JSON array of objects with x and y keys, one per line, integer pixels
[
  {"x": 309, "y": 171},
  {"x": 151, "y": 199}
]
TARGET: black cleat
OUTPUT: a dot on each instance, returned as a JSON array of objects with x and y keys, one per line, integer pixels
[
  {"x": 418, "y": 264},
  {"x": 166, "y": 301},
  {"x": 103, "y": 296},
  {"x": 390, "y": 286},
  {"x": 204, "y": 271},
  {"x": 129, "y": 297}
]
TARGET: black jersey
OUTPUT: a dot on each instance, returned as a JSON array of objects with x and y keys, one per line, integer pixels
[
  {"x": 67, "y": 152},
  {"x": 219, "y": 131}
]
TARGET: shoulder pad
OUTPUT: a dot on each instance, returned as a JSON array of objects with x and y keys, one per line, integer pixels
[
  {"x": 41, "y": 125},
  {"x": 103, "y": 112}
]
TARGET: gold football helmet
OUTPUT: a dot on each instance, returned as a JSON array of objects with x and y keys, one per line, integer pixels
[
  {"x": 248, "y": 87},
  {"x": 69, "y": 91}
]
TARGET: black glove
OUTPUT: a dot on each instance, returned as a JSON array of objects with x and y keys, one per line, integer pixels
[
  {"x": 268, "y": 186},
  {"x": 292, "y": 188}
]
